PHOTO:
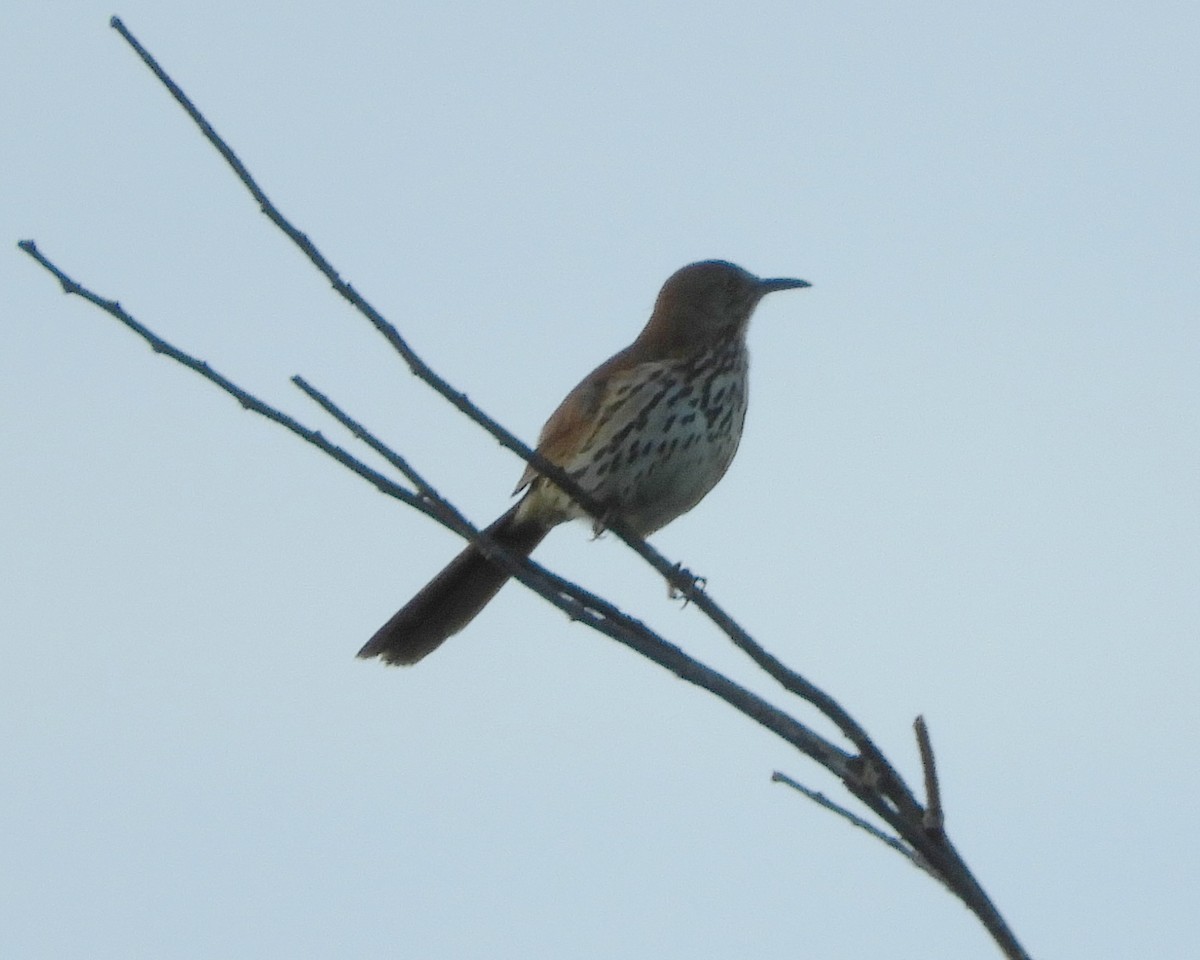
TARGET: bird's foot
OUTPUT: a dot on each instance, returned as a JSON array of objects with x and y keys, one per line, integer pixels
[
  {"x": 684, "y": 583},
  {"x": 601, "y": 523}
]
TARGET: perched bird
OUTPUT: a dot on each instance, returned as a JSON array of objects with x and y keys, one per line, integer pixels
[{"x": 647, "y": 433}]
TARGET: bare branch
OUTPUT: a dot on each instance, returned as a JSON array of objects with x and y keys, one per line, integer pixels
[
  {"x": 934, "y": 819},
  {"x": 363, "y": 434},
  {"x": 869, "y": 776},
  {"x": 854, "y": 820},
  {"x": 247, "y": 400},
  {"x": 675, "y": 573},
  {"x": 577, "y": 603}
]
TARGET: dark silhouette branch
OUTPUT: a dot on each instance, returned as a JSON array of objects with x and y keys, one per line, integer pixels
[
  {"x": 680, "y": 578},
  {"x": 868, "y": 775},
  {"x": 934, "y": 818},
  {"x": 895, "y": 797},
  {"x": 577, "y": 603}
]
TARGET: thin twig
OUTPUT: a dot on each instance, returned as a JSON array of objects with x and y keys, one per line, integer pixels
[
  {"x": 451, "y": 517},
  {"x": 674, "y": 573},
  {"x": 934, "y": 819},
  {"x": 577, "y": 603},
  {"x": 870, "y": 777},
  {"x": 247, "y": 400},
  {"x": 897, "y": 844}
]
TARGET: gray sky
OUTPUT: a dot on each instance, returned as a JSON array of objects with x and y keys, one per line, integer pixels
[{"x": 968, "y": 486}]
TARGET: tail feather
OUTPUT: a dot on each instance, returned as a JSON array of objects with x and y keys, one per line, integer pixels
[{"x": 454, "y": 597}]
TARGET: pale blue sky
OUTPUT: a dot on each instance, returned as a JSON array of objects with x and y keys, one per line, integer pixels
[{"x": 969, "y": 486}]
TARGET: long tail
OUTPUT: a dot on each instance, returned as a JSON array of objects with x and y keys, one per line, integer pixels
[{"x": 454, "y": 597}]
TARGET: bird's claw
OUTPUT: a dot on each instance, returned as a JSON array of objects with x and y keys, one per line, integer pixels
[{"x": 684, "y": 583}]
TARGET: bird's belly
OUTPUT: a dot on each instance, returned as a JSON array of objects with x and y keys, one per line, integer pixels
[
  {"x": 672, "y": 485},
  {"x": 656, "y": 465}
]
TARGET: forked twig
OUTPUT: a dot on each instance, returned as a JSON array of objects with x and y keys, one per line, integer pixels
[
  {"x": 674, "y": 573},
  {"x": 858, "y": 822},
  {"x": 869, "y": 776},
  {"x": 579, "y": 604}
]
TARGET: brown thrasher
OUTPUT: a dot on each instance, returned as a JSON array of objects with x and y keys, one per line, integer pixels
[{"x": 647, "y": 433}]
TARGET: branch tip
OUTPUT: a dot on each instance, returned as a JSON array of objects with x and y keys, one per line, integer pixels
[{"x": 933, "y": 819}]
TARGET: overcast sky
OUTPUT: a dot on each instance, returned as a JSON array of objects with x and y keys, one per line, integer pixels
[{"x": 969, "y": 486}]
